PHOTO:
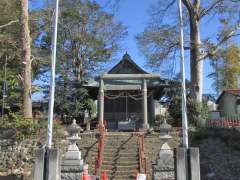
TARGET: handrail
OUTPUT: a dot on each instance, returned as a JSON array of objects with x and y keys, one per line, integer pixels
[
  {"x": 142, "y": 158},
  {"x": 101, "y": 143}
]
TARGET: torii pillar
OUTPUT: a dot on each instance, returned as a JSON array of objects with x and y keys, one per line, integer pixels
[
  {"x": 145, "y": 124},
  {"x": 101, "y": 103}
]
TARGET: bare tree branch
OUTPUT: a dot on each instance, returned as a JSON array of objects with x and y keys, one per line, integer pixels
[
  {"x": 169, "y": 5},
  {"x": 9, "y": 23},
  {"x": 207, "y": 10},
  {"x": 223, "y": 40}
]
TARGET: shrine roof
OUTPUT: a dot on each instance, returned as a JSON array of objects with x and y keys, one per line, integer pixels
[{"x": 126, "y": 66}]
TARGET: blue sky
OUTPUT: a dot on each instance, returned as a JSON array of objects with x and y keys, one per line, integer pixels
[{"x": 133, "y": 14}]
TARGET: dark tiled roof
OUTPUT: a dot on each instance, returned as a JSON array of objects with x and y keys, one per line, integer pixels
[
  {"x": 235, "y": 92},
  {"x": 126, "y": 60}
]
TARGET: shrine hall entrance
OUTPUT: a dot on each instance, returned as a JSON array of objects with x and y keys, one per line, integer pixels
[{"x": 123, "y": 109}]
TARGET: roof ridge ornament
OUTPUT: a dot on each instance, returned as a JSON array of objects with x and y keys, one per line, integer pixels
[{"x": 126, "y": 56}]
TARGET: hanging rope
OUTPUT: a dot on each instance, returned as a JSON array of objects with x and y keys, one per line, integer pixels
[{"x": 135, "y": 97}]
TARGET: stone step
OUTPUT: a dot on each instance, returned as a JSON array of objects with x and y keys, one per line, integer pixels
[
  {"x": 119, "y": 134},
  {"x": 120, "y": 145},
  {"x": 121, "y": 177},
  {"x": 119, "y": 168},
  {"x": 121, "y": 155},
  {"x": 124, "y": 177},
  {"x": 121, "y": 173},
  {"x": 114, "y": 176},
  {"x": 121, "y": 163},
  {"x": 121, "y": 159},
  {"x": 125, "y": 150}
]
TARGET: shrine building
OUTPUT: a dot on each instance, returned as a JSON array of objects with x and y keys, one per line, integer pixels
[{"x": 126, "y": 96}]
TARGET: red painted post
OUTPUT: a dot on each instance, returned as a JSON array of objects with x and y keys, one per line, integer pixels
[
  {"x": 104, "y": 175},
  {"x": 85, "y": 176}
]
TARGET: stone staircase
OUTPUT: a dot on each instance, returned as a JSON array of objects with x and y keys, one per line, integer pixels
[{"x": 121, "y": 160}]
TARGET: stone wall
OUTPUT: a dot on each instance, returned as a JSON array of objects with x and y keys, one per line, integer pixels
[
  {"x": 17, "y": 156},
  {"x": 219, "y": 153}
]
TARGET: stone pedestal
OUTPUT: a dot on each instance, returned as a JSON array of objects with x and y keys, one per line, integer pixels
[{"x": 164, "y": 169}]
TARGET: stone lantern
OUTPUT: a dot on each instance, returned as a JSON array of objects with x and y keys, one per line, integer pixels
[
  {"x": 164, "y": 168},
  {"x": 165, "y": 130},
  {"x": 72, "y": 159}
]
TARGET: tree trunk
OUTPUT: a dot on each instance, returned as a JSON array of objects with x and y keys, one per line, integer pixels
[
  {"x": 26, "y": 53},
  {"x": 80, "y": 68},
  {"x": 195, "y": 63}
]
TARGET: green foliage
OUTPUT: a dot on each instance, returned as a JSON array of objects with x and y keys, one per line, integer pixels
[
  {"x": 10, "y": 49},
  {"x": 226, "y": 68},
  {"x": 197, "y": 112},
  {"x": 73, "y": 103},
  {"x": 174, "y": 110},
  {"x": 88, "y": 37},
  {"x": 23, "y": 127}
]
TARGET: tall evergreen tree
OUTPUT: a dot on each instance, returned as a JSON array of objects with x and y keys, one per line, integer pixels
[
  {"x": 88, "y": 37},
  {"x": 232, "y": 67},
  {"x": 26, "y": 60},
  {"x": 11, "y": 48}
]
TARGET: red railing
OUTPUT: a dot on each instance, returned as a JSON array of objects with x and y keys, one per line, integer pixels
[
  {"x": 224, "y": 123},
  {"x": 101, "y": 143},
  {"x": 142, "y": 158}
]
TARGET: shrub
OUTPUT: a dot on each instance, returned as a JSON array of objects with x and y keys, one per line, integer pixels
[
  {"x": 197, "y": 112},
  {"x": 22, "y": 126}
]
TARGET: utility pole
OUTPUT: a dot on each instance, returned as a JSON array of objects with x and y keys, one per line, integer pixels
[
  {"x": 52, "y": 83},
  {"x": 184, "y": 104}
]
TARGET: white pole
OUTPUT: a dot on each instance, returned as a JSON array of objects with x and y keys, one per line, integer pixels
[
  {"x": 52, "y": 83},
  {"x": 184, "y": 106}
]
